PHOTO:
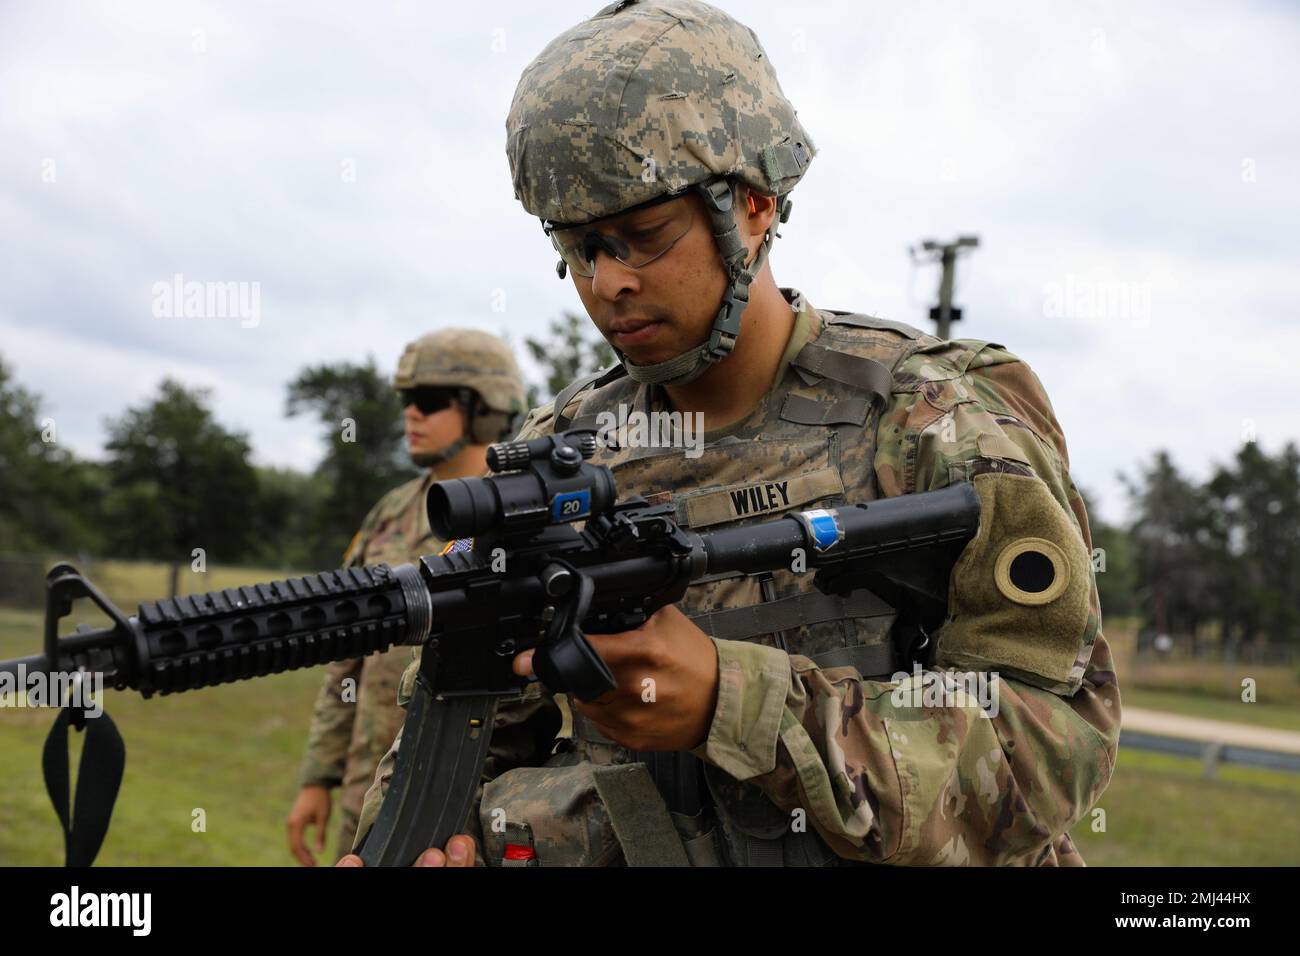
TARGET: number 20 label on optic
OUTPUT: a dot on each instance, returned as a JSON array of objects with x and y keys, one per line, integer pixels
[{"x": 571, "y": 505}]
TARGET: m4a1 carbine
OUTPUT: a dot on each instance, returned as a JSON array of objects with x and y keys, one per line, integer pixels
[{"x": 532, "y": 579}]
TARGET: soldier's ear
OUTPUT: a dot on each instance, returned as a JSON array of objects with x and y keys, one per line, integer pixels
[{"x": 757, "y": 214}]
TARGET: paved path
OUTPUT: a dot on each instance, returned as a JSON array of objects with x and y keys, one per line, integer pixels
[{"x": 1200, "y": 728}]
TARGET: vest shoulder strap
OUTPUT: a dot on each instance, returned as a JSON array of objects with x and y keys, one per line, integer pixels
[
  {"x": 856, "y": 371},
  {"x": 861, "y": 320},
  {"x": 863, "y": 362},
  {"x": 567, "y": 394}
]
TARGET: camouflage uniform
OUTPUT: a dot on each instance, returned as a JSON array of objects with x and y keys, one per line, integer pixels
[
  {"x": 347, "y": 741},
  {"x": 812, "y": 757},
  {"x": 349, "y": 736},
  {"x": 876, "y": 781}
]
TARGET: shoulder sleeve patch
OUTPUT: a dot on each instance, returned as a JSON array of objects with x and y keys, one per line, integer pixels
[
  {"x": 994, "y": 445},
  {"x": 352, "y": 549}
]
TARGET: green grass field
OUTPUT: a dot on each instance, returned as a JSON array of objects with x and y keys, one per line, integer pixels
[
  {"x": 1205, "y": 688},
  {"x": 1234, "y": 710},
  {"x": 1160, "y": 811},
  {"x": 128, "y": 583},
  {"x": 233, "y": 752}
]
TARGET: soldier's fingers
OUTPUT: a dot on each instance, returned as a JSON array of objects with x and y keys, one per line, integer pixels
[
  {"x": 640, "y": 648},
  {"x": 613, "y": 643},
  {"x": 460, "y": 851},
  {"x": 351, "y": 860},
  {"x": 523, "y": 664},
  {"x": 320, "y": 836},
  {"x": 296, "y": 846},
  {"x": 594, "y": 708},
  {"x": 666, "y": 614},
  {"x": 618, "y": 650},
  {"x": 595, "y": 712},
  {"x": 432, "y": 857}
]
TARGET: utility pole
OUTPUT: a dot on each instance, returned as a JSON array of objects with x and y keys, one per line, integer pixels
[{"x": 944, "y": 253}]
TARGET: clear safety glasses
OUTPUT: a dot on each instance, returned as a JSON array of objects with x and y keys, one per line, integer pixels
[{"x": 635, "y": 238}]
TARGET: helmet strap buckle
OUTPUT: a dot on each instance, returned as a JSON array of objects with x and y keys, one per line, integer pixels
[{"x": 719, "y": 199}]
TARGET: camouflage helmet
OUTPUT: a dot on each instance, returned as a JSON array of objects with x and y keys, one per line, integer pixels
[
  {"x": 647, "y": 99},
  {"x": 651, "y": 99},
  {"x": 471, "y": 360}
]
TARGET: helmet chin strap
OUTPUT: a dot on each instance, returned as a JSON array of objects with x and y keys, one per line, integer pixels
[
  {"x": 718, "y": 199},
  {"x": 427, "y": 459}
]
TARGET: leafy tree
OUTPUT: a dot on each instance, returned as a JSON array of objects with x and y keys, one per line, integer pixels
[
  {"x": 25, "y": 462},
  {"x": 178, "y": 481},
  {"x": 1253, "y": 540},
  {"x": 46, "y": 494},
  {"x": 573, "y": 349},
  {"x": 366, "y": 451},
  {"x": 1113, "y": 558},
  {"x": 1226, "y": 552},
  {"x": 288, "y": 503},
  {"x": 1168, "y": 551}
]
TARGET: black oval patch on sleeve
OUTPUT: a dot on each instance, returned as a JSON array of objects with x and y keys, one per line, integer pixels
[{"x": 1032, "y": 572}]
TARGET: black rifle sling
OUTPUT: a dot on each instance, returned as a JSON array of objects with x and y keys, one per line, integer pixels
[
  {"x": 439, "y": 763},
  {"x": 99, "y": 775}
]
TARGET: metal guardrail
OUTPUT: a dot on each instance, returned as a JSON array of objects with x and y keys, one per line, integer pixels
[{"x": 1211, "y": 752}]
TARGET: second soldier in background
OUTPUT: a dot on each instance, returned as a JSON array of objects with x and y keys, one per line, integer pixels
[{"x": 461, "y": 390}]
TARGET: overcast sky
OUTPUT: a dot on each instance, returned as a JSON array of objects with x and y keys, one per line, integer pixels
[{"x": 1132, "y": 170}]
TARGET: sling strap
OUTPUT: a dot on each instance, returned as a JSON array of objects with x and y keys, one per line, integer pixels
[
  {"x": 639, "y": 816},
  {"x": 808, "y": 607},
  {"x": 99, "y": 775},
  {"x": 592, "y": 380}
]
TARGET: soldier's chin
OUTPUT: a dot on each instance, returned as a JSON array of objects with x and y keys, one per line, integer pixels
[{"x": 654, "y": 354}]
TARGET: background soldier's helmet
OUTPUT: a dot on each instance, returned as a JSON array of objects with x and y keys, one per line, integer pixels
[
  {"x": 477, "y": 362},
  {"x": 652, "y": 99}
]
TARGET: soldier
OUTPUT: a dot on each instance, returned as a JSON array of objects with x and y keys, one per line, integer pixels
[
  {"x": 786, "y": 726},
  {"x": 461, "y": 390}
]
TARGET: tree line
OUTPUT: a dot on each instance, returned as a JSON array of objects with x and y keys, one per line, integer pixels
[
  {"x": 173, "y": 478},
  {"x": 1216, "y": 558}
]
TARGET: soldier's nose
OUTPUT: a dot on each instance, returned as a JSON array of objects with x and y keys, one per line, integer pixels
[{"x": 611, "y": 278}]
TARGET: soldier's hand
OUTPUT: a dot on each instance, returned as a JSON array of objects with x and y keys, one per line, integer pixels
[
  {"x": 460, "y": 852},
  {"x": 311, "y": 809},
  {"x": 667, "y": 673}
]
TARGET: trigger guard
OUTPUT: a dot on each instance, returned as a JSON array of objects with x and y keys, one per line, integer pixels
[
  {"x": 566, "y": 662},
  {"x": 571, "y": 665}
]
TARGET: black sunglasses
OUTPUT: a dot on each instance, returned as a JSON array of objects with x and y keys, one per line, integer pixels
[{"x": 428, "y": 399}]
